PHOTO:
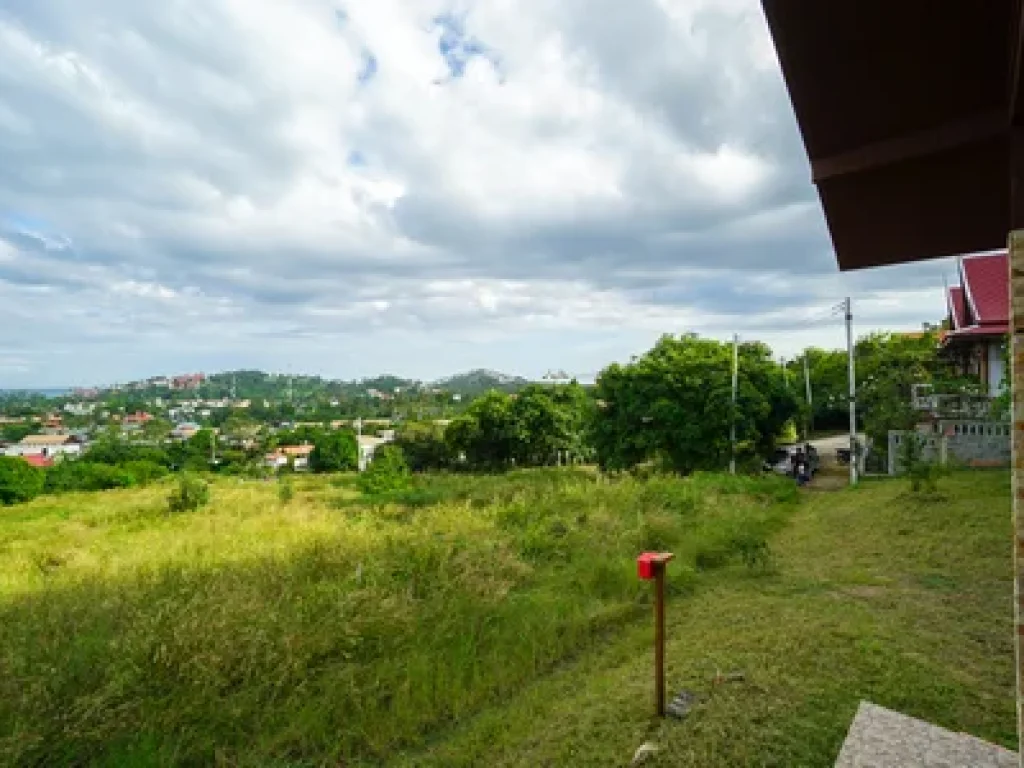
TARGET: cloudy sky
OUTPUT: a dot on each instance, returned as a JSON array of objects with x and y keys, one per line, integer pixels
[{"x": 350, "y": 187}]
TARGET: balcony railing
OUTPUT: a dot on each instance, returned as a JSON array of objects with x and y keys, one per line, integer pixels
[{"x": 972, "y": 406}]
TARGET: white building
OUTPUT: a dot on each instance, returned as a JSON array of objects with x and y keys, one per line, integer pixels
[
  {"x": 298, "y": 455},
  {"x": 368, "y": 445},
  {"x": 47, "y": 446},
  {"x": 80, "y": 409}
]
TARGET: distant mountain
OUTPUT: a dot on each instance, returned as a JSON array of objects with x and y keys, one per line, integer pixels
[
  {"x": 301, "y": 388},
  {"x": 388, "y": 383},
  {"x": 477, "y": 382}
]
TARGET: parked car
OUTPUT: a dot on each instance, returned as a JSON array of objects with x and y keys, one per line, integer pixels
[{"x": 781, "y": 462}]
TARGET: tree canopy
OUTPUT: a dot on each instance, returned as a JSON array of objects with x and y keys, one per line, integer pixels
[
  {"x": 673, "y": 405},
  {"x": 334, "y": 452}
]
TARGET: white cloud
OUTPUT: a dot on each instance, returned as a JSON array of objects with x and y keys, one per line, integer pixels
[{"x": 500, "y": 183}]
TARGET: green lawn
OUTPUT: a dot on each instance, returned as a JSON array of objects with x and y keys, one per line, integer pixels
[
  {"x": 879, "y": 596},
  {"x": 496, "y": 621}
]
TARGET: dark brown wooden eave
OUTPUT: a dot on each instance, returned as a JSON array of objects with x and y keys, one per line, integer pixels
[{"x": 906, "y": 111}]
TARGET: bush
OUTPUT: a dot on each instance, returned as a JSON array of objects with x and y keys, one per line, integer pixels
[
  {"x": 145, "y": 471},
  {"x": 285, "y": 490},
  {"x": 190, "y": 494},
  {"x": 387, "y": 473},
  {"x": 81, "y": 475},
  {"x": 923, "y": 474},
  {"x": 19, "y": 480}
]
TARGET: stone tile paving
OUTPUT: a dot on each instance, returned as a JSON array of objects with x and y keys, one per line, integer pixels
[{"x": 881, "y": 738}]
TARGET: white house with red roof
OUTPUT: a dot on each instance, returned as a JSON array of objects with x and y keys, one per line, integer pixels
[{"x": 979, "y": 312}]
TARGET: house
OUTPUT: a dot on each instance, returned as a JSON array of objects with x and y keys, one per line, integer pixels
[
  {"x": 52, "y": 424},
  {"x": 139, "y": 418},
  {"x": 188, "y": 381},
  {"x": 135, "y": 421},
  {"x": 979, "y": 320},
  {"x": 368, "y": 445},
  {"x": 47, "y": 446},
  {"x": 185, "y": 431},
  {"x": 297, "y": 455},
  {"x": 38, "y": 461},
  {"x": 80, "y": 409}
]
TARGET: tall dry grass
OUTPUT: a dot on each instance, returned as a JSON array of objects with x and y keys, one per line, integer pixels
[{"x": 330, "y": 628}]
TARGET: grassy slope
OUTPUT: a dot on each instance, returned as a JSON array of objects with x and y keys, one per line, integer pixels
[
  {"x": 254, "y": 633},
  {"x": 473, "y": 636},
  {"x": 880, "y": 597}
]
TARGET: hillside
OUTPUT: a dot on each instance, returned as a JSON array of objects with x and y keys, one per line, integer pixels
[
  {"x": 277, "y": 386},
  {"x": 496, "y": 621},
  {"x": 476, "y": 382}
]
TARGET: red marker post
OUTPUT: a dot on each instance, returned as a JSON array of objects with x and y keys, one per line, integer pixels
[{"x": 651, "y": 566}]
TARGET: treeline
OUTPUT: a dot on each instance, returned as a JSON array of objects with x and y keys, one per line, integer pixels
[
  {"x": 115, "y": 462},
  {"x": 671, "y": 408}
]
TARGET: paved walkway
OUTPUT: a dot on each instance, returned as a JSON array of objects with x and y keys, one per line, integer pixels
[{"x": 881, "y": 738}]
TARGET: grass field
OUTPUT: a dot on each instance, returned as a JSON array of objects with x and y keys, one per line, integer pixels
[
  {"x": 330, "y": 630},
  {"x": 496, "y": 621},
  {"x": 903, "y": 601}
]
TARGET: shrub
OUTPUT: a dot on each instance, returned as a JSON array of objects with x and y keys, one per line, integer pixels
[
  {"x": 285, "y": 490},
  {"x": 190, "y": 494},
  {"x": 145, "y": 471},
  {"x": 19, "y": 480},
  {"x": 923, "y": 474},
  {"x": 387, "y": 473},
  {"x": 84, "y": 475}
]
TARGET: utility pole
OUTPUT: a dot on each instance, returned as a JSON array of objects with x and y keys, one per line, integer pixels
[
  {"x": 810, "y": 401},
  {"x": 735, "y": 391},
  {"x": 853, "y": 390}
]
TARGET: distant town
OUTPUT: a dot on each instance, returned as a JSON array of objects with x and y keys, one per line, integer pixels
[{"x": 246, "y": 412}]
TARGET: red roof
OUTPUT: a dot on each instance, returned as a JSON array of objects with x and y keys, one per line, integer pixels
[
  {"x": 38, "y": 461},
  {"x": 956, "y": 303},
  {"x": 981, "y": 305},
  {"x": 987, "y": 281}
]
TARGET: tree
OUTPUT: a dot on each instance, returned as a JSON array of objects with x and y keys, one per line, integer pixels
[
  {"x": 387, "y": 473},
  {"x": 423, "y": 446},
  {"x": 19, "y": 480},
  {"x": 16, "y": 432},
  {"x": 542, "y": 426},
  {"x": 888, "y": 367},
  {"x": 673, "y": 405},
  {"x": 488, "y": 434},
  {"x": 190, "y": 494},
  {"x": 335, "y": 452}
]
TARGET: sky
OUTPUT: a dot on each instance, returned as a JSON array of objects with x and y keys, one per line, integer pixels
[{"x": 421, "y": 187}]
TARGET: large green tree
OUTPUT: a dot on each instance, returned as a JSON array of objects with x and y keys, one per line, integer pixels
[
  {"x": 335, "y": 452},
  {"x": 423, "y": 446},
  {"x": 488, "y": 433},
  {"x": 673, "y": 405},
  {"x": 888, "y": 366}
]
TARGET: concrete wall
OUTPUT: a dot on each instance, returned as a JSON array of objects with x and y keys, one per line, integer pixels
[{"x": 962, "y": 442}]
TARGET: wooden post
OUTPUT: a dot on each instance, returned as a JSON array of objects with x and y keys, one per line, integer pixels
[
  {"x": 659, "y": 638},
  {"x": 1015, "y": 260}
]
